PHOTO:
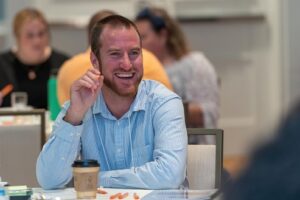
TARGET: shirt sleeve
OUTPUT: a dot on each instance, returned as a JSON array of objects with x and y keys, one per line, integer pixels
[
  {"x": 168, "y": 168},
  {"x": 53, "y": 168}
]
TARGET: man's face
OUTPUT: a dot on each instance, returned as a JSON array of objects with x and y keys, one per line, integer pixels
[{"x": 121, "y": 60}]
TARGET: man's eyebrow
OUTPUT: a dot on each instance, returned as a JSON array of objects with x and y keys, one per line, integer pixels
[
  {"x": 136, "y": 48},
  {"x": 117, "y": 49},
  {"x": 113, "y": 49}
]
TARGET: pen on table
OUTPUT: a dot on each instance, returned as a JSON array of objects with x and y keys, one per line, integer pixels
[{"x": 6, "y": 90}]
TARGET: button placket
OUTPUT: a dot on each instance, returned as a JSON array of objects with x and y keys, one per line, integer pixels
[{"x": 119, "y": 138}]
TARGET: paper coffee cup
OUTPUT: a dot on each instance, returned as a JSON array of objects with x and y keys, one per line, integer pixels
[{"x": 85, "y": 174}]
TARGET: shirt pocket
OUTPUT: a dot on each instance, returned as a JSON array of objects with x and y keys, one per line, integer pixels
[{"x": 142, "y": 155}]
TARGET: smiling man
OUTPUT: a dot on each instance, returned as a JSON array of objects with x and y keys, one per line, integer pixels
[{"x": 135, "y": 129}]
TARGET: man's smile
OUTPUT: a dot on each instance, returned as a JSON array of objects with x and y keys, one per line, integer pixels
[{"x": 125, "y": 75}]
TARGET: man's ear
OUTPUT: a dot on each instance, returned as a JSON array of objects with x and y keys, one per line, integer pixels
[{"x": 94, "y": 61}]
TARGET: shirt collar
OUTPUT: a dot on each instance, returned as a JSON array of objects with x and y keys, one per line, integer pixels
[{"x": 138, "y": 104}]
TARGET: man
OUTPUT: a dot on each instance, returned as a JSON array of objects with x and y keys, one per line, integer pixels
[
  {"x": 77, "y": 66},
  {"x": 134, "y": 128}
]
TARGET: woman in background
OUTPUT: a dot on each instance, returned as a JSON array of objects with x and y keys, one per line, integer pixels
[
  {"x": 28, "y": 65},
  {"x": 193, "y": 77}
]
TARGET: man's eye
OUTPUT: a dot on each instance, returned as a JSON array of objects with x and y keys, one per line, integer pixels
[
  {"x": 135, "y": 53},
  {"x": 115, "y": 54}
]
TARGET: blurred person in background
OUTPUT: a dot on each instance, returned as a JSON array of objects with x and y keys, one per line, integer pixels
[
  {"x": 191, "y": 74},
  {"x": 28, "y": 65},
  {"x": 75, "y": 67},
  {"x": 273, "y": 171}
]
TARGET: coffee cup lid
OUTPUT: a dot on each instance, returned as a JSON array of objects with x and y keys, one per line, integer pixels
[{"x": 85, "y": 163}]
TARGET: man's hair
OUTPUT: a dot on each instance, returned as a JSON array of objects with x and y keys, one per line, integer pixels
[
  {"x": 161, "y": 20},
  {"x": 115, "y": 21},
  {"x": 97, "y": 17}
]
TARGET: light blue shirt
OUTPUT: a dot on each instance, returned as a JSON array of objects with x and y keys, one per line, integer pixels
[{"x": 145, "y": 148}]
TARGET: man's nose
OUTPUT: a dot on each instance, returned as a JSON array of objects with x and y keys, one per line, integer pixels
[{"x": 126, "y": 62}]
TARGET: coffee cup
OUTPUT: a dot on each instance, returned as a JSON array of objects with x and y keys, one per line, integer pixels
[{"x": 85, "y": 174}]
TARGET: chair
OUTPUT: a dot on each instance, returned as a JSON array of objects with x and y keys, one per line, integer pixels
[
  {"x": 20, "y": 146},
  {"x": 205, "y": 161}
]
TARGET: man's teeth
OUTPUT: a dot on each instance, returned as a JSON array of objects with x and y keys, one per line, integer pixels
[{"x": 124, "y": 75}]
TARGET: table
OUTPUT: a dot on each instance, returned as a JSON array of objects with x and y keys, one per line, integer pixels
[{"x": 69, "y": 193}]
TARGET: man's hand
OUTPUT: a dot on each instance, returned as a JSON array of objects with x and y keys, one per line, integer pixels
[{"x": 84, "y": 92}]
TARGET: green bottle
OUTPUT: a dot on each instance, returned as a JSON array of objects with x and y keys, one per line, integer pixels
[{"x": 53, "y": 104}]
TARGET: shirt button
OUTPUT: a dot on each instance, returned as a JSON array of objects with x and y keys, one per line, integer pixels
[{"x": 119, "y": 150}]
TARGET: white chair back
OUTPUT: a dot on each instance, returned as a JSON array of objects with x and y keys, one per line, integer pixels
[
  {"x": 205, "y": 158},
  {"x": 201, "y": 166}
]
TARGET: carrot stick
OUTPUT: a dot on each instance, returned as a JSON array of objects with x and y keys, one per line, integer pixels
[
  {"x": 115, "y": 195},
  {"x": 136, "y": 196},
  {"x": 123, "y": 196},
  {"x": 6, "y": 90}
]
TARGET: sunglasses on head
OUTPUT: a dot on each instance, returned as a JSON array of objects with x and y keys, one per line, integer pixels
[{"x": 157, "y": 22}]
